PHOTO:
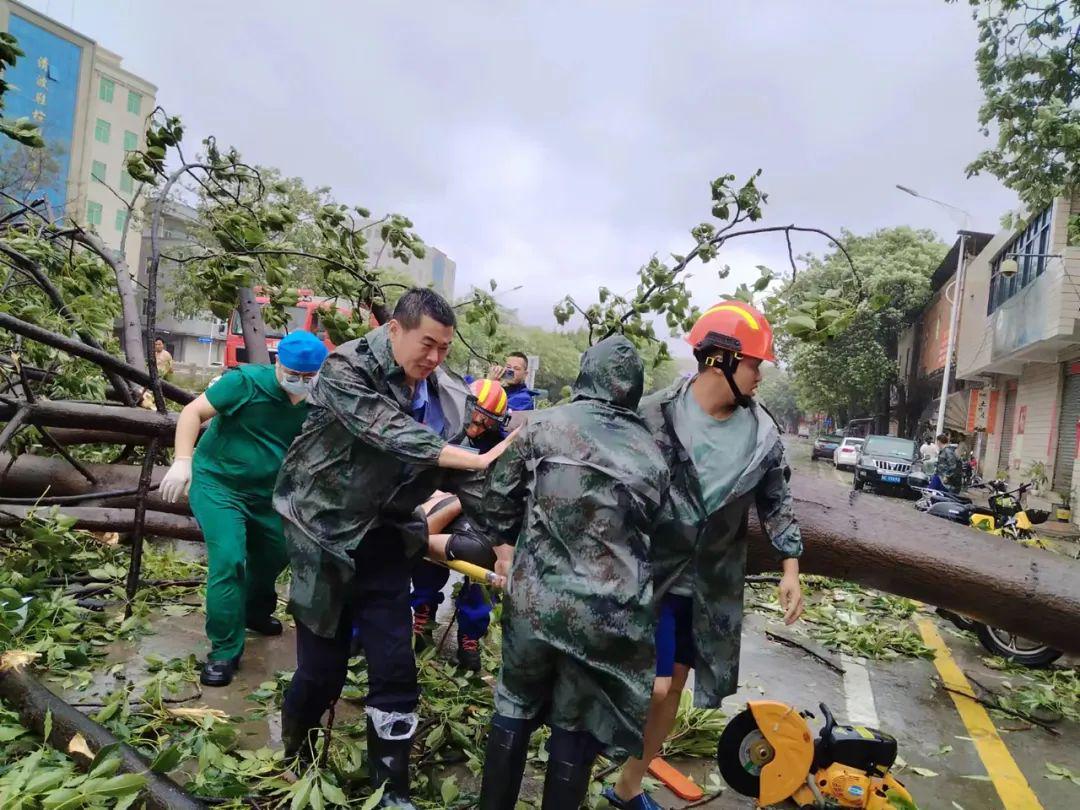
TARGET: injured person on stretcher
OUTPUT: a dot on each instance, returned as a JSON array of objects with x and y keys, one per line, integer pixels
[{"x": 453, "y": 539}]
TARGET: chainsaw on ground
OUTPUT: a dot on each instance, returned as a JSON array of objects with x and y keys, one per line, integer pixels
[{"x": 767, "y": 752}]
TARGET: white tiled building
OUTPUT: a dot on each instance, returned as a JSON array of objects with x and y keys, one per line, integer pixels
[{"x": 1019, "y": 336}]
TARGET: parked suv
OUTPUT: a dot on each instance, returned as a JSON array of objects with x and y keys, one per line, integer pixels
[{"x": 885, "y": 461}]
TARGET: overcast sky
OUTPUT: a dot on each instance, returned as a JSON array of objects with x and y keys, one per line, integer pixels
[{"x": 557, "y": 145}]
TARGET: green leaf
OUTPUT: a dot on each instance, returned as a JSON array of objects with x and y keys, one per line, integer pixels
[
  {"x": 9, "y": 733},
  {"x": 334, "y": 794},
  {"x": 374, "y": 799},
  {"x": 46, "y": 732},
  {"x": 167, "y": 760},
  {"x": 301, "y": 792},
  {"x": 922, "y": 771},
  {"x": 449, "y": 790},
  {"x": 122, "y": 784},
  {"x": 799, "y": 324}
]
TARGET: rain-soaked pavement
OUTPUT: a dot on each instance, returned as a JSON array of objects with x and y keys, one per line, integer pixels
[{"x": 902, "y": 697}]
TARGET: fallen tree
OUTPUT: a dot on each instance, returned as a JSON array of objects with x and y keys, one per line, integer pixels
[
  {"x": 885, "y": 544},
  {"x": 22, "y": 693},
  {"x": 876, "y": 542}
]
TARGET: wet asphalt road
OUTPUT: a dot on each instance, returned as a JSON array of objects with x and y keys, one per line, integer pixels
[{"x": 902, "y": 697}]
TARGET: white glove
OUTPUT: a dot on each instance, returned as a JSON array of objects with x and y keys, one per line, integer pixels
[{"x": 177, "y": 481}]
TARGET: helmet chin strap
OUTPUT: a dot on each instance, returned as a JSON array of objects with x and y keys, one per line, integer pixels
[{"x": 726, "y": 362}]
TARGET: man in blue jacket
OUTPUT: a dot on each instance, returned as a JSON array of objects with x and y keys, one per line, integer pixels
[{"x": 512, "y": 376}]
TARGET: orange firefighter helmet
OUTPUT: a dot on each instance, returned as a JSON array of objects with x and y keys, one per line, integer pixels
[{"x": 733, "y": 326}]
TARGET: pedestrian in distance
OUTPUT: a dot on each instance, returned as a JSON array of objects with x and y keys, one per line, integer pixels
[
  {"x": 512, "y": 375},
  {"x": 255, "y": 412},
  {"x": 350, "y": 492},
  {"x": 577, "y": 495},
  {"x": 724, "y": 454}
]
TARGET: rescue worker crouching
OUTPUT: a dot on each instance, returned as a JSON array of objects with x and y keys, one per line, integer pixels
[
  {"x": 456, "y": 538},
  {"x": 256, "y": 412}
]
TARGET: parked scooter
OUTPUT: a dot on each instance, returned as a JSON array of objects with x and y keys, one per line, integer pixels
[{"x": 1005, "y": 510}]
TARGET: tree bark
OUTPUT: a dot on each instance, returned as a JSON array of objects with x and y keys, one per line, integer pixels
[
  {"x": 873, "y": 541},
  {"x": 254, "y": 329},
  {"x": 70, "y": 436},
  {"x": 131, "y": 328},
  {"x": 101, "y": 519},
  {"x": 101, "y": 358},
  {"x": 885, "y": 544},
  {"x": 22, "y": 693},
  {"x": 95, "y": 416}
]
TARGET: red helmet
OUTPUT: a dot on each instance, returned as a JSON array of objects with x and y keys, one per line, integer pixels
[
  {"x": 724, "y": 324},
  {"x": 490, "y": 399}
]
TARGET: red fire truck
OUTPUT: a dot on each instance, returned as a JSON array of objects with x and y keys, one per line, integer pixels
[{"x": 305, "y": 315}]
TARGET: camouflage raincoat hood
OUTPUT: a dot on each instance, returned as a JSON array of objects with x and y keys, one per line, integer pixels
[{"x": 612, "y": 372}]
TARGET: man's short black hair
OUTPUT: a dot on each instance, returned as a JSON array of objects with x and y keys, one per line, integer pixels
[
  {"x": 943, "y": 438},
  {"x": 524, "y": 357},
  {"x": 420, "y": 301}
]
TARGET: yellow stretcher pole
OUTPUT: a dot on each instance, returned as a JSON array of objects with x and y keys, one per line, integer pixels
[{"x": 473, "y": 572}]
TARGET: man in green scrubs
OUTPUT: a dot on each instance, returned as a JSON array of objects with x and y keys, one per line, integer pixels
[{"x": 259, "y": 410}]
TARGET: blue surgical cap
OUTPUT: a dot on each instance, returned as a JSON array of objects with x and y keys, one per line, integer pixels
[{"x": 301, "y": 351}]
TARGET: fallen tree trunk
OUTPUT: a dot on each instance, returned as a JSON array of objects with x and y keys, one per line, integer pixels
[
  {"x": 884, "y": 543},
  {"x": 877, "y": 542},
  {"x": 94, "y": 416},
  {"x": 70, "y": 436},
  {"x": 101, "y": 519},
  {"x": 48, "y": 476},
  {"x": 23, "y": 694}
]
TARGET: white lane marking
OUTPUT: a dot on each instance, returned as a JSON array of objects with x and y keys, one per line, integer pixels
[{"x": 858, "y": 693}]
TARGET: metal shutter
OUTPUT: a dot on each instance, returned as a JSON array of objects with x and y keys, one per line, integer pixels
[
  {"x": 1007, "y": 430},
  {"x": 1066, "y": 444}
]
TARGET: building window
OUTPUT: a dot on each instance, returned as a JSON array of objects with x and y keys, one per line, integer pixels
[
  {"x": 126, "y": 183},
  {"x": 93, "y": 213},
  {"x": 106, "y": 89},
  {"x": 134, "y": 102},
  {"x": 121, "y": 219},
  {"x": 131, "y": 141},
  {"x": 102, "y": 130},
  {"x": 97, "y": 171},
  {"x": 1030, "y": 246}
]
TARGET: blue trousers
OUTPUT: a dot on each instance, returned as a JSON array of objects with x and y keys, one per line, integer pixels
[{"x": 474, "y": 609}]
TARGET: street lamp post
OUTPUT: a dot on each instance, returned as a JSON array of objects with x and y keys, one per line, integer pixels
[{"x": 954, "y": 316}]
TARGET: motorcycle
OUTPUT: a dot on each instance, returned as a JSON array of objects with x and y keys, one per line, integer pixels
[{"x": 1005, "y": 510}]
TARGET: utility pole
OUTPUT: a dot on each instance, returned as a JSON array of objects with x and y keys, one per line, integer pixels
[{"x": 954, "y": 323}]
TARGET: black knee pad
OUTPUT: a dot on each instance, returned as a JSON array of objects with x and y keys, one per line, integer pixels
[{"x": 471, "y": 547}]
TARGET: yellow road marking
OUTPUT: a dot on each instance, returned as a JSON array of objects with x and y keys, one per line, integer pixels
[{"x": 1004, "y": 773}]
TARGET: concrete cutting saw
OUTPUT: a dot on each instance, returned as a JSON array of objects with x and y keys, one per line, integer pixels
[{"x": 767, "y": 752}]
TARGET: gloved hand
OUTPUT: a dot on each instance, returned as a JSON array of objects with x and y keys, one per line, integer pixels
[{"x": 177, "y": 480}]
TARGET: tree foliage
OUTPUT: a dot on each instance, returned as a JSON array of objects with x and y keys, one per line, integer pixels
[
  {"x": 777, "y": 393},
  {"x": 847, "y": 363},
  {"x": 1028, "y": 62}
]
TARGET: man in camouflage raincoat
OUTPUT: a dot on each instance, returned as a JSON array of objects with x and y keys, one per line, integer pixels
[
  {"x": 349, "y": 491},
  {"x": 577, "y": 493},
  {"x": 725, "y": 455}
]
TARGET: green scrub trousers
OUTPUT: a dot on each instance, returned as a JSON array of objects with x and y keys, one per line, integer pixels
[{"x": 245, "y": 550}]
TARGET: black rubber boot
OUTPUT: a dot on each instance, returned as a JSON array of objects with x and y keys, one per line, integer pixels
[
  {"x": 565, "y": 785},
  {"x": 504, "y": 766},
  {"x": 299, "y": 740},
  {"x": 388, "y": 763}
]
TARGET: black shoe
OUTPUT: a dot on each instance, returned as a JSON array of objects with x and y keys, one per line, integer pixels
[
  {"x": 565, "y": 785},
  {"x": 388, "y": 765},
  {"x": 468, "y": 652},
  {"x": 266, "y": 626},
  {"x": 423, "y": 628},
  {"x": 504, "y": 765},
  {"x": 219, "y": 671}
]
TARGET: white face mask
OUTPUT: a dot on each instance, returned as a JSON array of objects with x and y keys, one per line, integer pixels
[{"x": 295, "y": 384}]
